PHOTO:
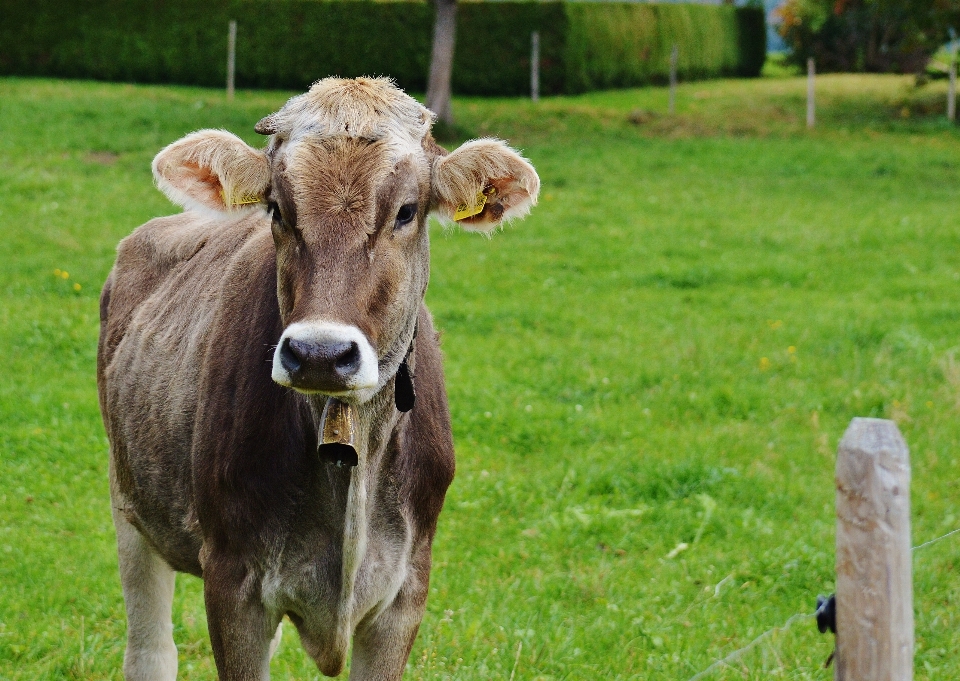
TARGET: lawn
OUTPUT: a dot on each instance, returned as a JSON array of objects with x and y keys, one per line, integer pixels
[{"x": 664, "y": 355}]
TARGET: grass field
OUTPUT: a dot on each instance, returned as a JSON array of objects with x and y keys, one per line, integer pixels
[{"x": 664, "y": 354}]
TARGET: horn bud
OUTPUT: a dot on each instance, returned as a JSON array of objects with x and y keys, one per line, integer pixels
[{"x": 266, "y": 126}]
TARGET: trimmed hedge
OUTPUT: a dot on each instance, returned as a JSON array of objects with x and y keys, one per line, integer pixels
[
  {"x": 752, "y": 40},
  {"x": 618, "y": 45},
  {"x": 280, "y": 44},
  {"x": 290, "y": 43},
  {"x": 493, "y": 47}
]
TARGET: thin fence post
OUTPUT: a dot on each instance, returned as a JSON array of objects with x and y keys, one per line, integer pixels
[
  {"x": 874, "y": 603},
  {"x": 811, "y": 104},
  {"x": 535, "y": 66},
  {"x": 674, "y": 58},
  {"x": 231, "y": 58},
  {"x": 952, "y": 91}
]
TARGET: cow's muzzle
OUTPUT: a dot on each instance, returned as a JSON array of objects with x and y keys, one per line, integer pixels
[{"x": 327, "y": 358}]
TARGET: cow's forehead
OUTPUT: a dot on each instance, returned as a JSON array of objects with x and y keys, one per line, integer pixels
[
  {"x": 368, "y": 108},
  {"x": 345, "y": 176}
]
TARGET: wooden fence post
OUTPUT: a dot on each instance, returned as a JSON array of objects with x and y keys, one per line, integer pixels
[
  {"x": 811, "y": 106},
  {"x": 231, "y": 57},
  {"x": 874, "y": 577},
  {"x": 674, "y": 59},
  {"x": 535, "y": 66},
  {"x": 952, "y": 90}
]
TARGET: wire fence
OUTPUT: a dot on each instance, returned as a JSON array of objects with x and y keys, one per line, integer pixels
[
  {"x": 934, "y": 541},
  {"x": 736, "y": 654},
  {"x": 740, "y": 652}
]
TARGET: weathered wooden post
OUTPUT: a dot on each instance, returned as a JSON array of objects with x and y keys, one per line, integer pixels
[
  {"x": 811, "y": 106},
  {"x": 231, "y": 57},
  {"x": 535, "y": 66},
  {"x": 874, "y": 578},
  {"x": 952, "y": 90},
  {"x": 674, "y": 59}
]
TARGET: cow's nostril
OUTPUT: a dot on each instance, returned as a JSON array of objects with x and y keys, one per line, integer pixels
[
  {"x": 289, "y": 357},
  {"x": 349, "y": 362}
]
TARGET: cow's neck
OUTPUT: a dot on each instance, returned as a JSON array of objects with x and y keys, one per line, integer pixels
[{"x": 376, "y": 421}]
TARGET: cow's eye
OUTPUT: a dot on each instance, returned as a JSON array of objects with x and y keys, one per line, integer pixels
[
  {"x": 405, "y": 215},
  {"x": 279, "y": 225},
  {"x": 274, "y": 211}
]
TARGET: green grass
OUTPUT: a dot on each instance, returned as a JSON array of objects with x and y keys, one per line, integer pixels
[{"x": 667, "y": 351}]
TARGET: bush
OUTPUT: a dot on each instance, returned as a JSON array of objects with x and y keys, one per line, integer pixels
[
  {"x": 290, "y": 43},
  {"x": 879, "y": 36}
]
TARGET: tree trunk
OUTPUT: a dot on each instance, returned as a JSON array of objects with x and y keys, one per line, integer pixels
[{"x": 441, "y": 60}]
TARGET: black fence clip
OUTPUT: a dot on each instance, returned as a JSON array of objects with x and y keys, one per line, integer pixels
[
  {"x": 827, "y": 620},
  {"x": 827, "y": 613}
]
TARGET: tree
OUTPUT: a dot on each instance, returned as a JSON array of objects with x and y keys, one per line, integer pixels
[
  {"x": 878, "y": 36},
  {"x": 441, "y": 60}
]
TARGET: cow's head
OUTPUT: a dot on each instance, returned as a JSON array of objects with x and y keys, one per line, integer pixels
[{"x": 348, "y": 178}]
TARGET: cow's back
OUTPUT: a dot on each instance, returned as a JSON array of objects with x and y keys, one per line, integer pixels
[{"x": 156, "y": 313}]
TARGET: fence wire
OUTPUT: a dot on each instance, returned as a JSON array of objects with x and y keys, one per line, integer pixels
[
  {"x": 754, "y": 643},
  {"x": 736, "y": 654},
  {"x": 934, "y": 541}
]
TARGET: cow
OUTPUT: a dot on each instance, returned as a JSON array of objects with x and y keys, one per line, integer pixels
[{"x": 271, "y": 384}]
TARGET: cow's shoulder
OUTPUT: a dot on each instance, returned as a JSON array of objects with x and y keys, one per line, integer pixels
[
  {"x": 162, "y": 243},
  {"x": 154, "y": 254}
]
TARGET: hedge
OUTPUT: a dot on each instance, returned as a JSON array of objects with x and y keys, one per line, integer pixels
[
  {"x": 623, "y": 44},
  {"x": 280, "y": 44},
  {"x": 751, "y": 40},
  {"x": 493, "y": 47},
  {"x": 290, "y": 43}
]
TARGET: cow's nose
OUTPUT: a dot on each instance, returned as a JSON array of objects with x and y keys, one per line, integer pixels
[
  {"x": 320, "y": 365},
  {"x": 326, "y": 357}
]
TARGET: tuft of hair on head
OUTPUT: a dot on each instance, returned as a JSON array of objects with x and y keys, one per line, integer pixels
[{"x": 372, "y": 108}]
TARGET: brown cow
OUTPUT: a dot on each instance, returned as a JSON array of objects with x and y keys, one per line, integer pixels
[{"x": 291, "y": 286}]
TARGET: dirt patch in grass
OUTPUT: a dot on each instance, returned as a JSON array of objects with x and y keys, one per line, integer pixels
[{"x": 103, "y": 158}]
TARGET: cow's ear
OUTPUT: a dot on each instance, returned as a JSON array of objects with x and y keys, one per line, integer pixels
[
  {"x": 482, "y": 183},
  {"x": 212, "y": 170}
]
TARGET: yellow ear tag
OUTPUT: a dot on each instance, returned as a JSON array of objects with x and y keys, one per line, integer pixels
[
  {"x": 242, "y": 201},
  {"x": 465, "y": 211}
]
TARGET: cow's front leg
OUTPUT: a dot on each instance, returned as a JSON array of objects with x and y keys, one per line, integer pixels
[
  {"x": 241, "y": 629},
  {"x": 381, "y": 644},
  {"x": 147, "y": 583}
]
